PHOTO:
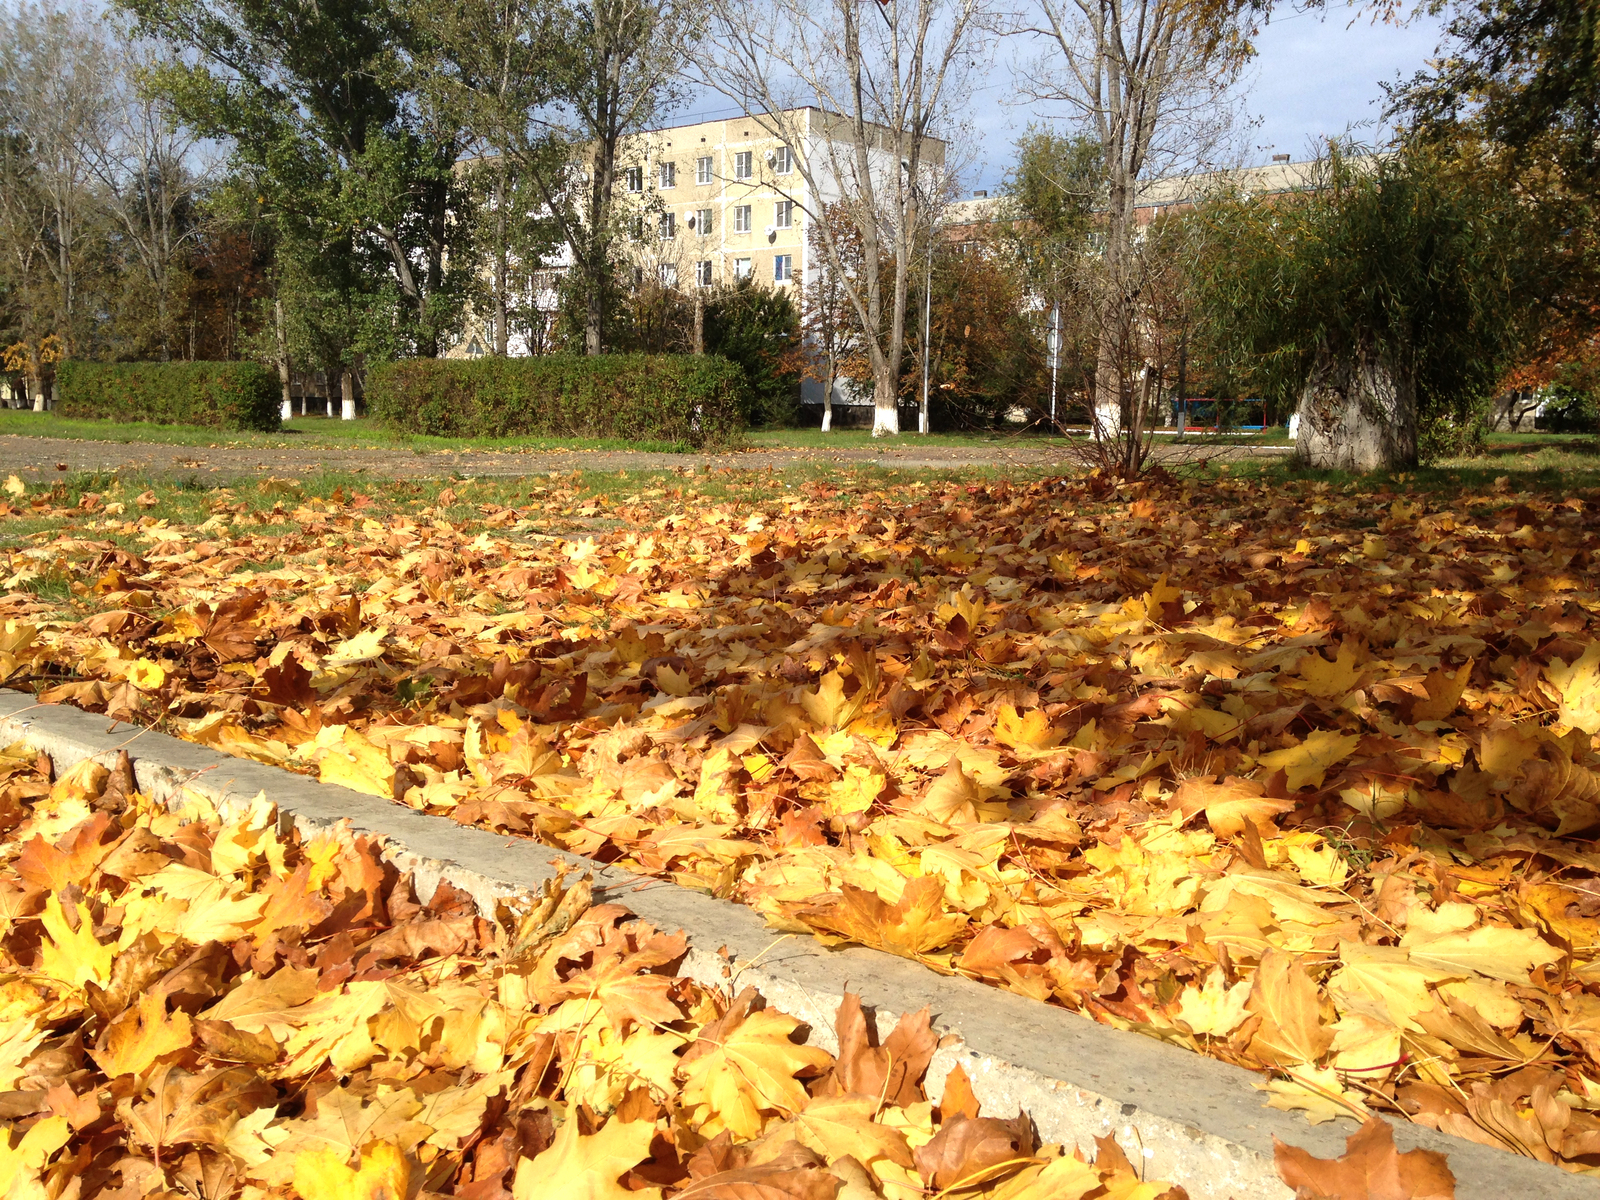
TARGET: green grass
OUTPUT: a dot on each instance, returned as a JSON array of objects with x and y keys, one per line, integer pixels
[{"x": 301, "y": 433}]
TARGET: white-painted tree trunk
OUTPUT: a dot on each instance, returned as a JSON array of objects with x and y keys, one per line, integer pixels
[
  {"x": 1358, "y": 412},
  {"x": 286, "y": 410},
  {"x": 347, "y": 396}
]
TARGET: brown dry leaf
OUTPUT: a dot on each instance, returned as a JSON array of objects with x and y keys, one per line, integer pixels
[
  {"x": 1370, "y": 1168},
  {"x": 1286, "y": 1000},
  {"x": 971, "y": 1150},
  {"x": 915, "y": 925}
]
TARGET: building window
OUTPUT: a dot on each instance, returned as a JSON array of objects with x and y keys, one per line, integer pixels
[
  {"x": 637, "y": 229},
  {"x": 782, "y": 268},
  {"x": 669, "y": 174},
  {"x": 702, "y": 272},
  {"x": 783, "y": 160},
  {"x": 669, "y": 225},
  {"x": 741, "y": 268},
  {"x": 635, "y": 179},
  {"x": 742, "y": 164},
  {"x": 783, "y": 214},
  {"x": 702, "y": 169},
  {"x": 669, "y": 274},
  {"x": 702, "y": 222},
  {"x": 741, "y": 218}
]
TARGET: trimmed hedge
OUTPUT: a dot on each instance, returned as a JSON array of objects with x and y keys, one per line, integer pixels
[
  {"x": 657, "y": 397},
  {"x": 221, "y": 395}
]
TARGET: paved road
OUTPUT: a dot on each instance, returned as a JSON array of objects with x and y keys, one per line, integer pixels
[{"x": 37, "y": 458}]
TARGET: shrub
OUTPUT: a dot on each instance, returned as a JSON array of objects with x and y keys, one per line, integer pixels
[
  {"x": 221, "y": 395},
  {"x": 759, "y": 328},
  {"x": 665, "y": 397}
]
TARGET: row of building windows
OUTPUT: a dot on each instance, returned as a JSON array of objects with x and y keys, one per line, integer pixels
[
  {"x": 701, "y": 220},
  {"x": 782, "y": 160},
  {"x": 782, "y": 270}
]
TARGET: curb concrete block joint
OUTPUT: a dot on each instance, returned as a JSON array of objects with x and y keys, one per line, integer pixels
[{"x": 1188, "y": 1119}]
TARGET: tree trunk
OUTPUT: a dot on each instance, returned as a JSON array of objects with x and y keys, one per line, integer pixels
[
  {"x": 827, "y": 398},
  {"x": 34, "y": 380},
  {"x": 283, "y": 360},
  {"x": 347, "y": 395},
  {"x": 885, "y": 405},
  {"x": 699, "y": 321},
  {"x": 502, "y": 268},
  {"x": 1358, "y": 412}
]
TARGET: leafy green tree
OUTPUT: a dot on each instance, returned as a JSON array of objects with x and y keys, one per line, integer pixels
[
  {"x": 347, "y": 156},
  {"x": 758, "y": 328},
  {"x": 1516, "y": 93},
  {"x": 1389, "y": 299}
]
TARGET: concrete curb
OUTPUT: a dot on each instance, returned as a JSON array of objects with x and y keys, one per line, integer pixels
[{"x": 1189, "y": 1119}]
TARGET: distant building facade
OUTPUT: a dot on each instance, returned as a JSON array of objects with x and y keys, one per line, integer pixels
[{"x": 712, "y": 202}]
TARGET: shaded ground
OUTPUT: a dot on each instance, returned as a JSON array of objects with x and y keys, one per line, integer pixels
[{"x": 38, "y": 458}]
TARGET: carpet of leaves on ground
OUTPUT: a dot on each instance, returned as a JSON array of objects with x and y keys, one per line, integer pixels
[
  {"x": 1302, "y": 776},
  {"x": 196, "y": 1007}
]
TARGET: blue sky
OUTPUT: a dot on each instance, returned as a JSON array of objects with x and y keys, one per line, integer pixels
[{"x": 1316, "y": 76}]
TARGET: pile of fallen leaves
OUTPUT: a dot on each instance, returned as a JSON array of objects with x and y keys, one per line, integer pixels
[
  {"x": 206, "y": 1009},
  {"x": 1297, "y": 776}
]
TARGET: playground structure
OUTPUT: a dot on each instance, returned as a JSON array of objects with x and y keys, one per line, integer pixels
[{"x": 1219, "y": 416}]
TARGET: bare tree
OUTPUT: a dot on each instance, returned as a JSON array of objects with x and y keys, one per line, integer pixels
[
  {"x": 548, "y": 85},
  {"x": 887, "y": 75},
  {"x": 144, "y": 160},
  {"x": 56, "y": 100},
  {"x": 1149, "y": 80}
]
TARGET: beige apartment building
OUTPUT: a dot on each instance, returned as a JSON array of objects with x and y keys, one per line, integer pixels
[{"x": 716, "y": 201}]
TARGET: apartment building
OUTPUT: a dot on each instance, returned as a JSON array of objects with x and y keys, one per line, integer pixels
[{"x": 712, "y": 202}]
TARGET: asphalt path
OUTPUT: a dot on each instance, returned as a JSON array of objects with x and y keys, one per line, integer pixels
[{"x": 36, "y": 458}]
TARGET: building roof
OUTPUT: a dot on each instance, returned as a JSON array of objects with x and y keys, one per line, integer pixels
[{"x": 1270, "y": 179}]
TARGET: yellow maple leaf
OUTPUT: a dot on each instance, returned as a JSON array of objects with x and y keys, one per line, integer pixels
[
  {"x": 364, "y": 647},
  {"x": 1317, "y": 1092},
  {"x": 587, "y": 1168},
  {"x": 141, "y": 1035},
  {"x": 1494, "y": 951},
  {"x": 15, "y": 487},
  {"x": 1215, "y": 1009},
  {"x": 72, "y": 956},
  {"x": 1309, "y": 761},
  {"x": 145, "y": 675},
  {"x": 750, "y": 1073},
  {"x": 828, "y": 706},
  {"x": 1062, "y": 1178},
  {"x": 359, "y": 765},
  {"x": 1031, "y": 731},
  {"x": 1444, "y": 693},
  {"x": 1329, "y": 680},
  {"x": 1577, "y": 689},
  {"x": 834, "y": 1126},
  {"x": 855, "y": 792},
  {"x": 384, "y": 1174},
  {"x": 21, "y": 1165}
]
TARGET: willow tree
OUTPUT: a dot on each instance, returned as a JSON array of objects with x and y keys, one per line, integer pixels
[{"x": 1388, "y": 297}]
